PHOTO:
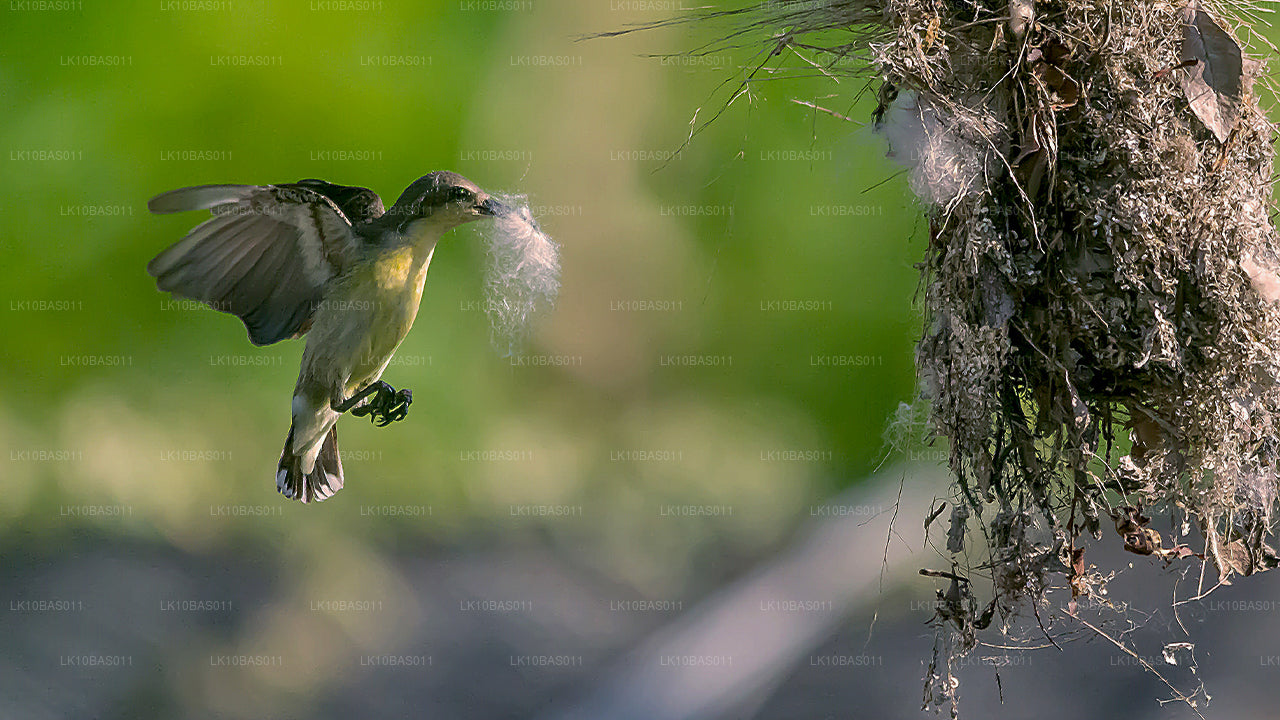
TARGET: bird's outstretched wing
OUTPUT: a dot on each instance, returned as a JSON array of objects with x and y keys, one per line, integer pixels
[{"x": 267, "y": 253}]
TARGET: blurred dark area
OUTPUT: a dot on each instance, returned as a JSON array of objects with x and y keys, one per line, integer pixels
[{"x": 519, "y": 629}]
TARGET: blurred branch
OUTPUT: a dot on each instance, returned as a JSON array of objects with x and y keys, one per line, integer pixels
[{"x": 730, "y": 651}]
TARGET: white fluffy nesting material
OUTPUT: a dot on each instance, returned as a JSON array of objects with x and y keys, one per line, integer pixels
[
  {"x": 944, "y": 166},
  {"x": 524, "y": 273}
]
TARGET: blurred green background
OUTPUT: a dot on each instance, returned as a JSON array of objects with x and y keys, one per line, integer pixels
[
  {"x": 698, "y": 256},
  {"x": 734, "y": 334}
]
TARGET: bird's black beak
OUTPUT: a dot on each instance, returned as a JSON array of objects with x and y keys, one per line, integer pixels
[{"x": 492, "y": 206}]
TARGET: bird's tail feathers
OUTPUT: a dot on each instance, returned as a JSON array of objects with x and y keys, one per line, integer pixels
[{"x": 325, "y": 477}]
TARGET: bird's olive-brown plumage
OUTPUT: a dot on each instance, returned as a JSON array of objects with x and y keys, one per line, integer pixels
[{"x": 323, "y": 260}]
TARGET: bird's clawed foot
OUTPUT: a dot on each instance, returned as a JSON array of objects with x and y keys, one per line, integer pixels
[
  {"x": 397, "y": 408},
  {"x": 385, "y": 407}
]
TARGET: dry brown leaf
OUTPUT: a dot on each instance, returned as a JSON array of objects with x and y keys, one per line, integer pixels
[
  {"x": 1139, "y": 539},
  {"x": 1215, "y": 84},
  {"x": 1234, "y": 558},
  {"x": 1021, "y": 14}
]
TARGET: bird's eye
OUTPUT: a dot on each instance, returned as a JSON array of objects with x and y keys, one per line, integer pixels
[{"x": 459, "y": 193}]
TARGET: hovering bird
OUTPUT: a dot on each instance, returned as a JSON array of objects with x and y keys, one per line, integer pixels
[{"x": 327, "y": 261}]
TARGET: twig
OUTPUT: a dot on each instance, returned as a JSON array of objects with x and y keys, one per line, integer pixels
[
  {"x": 884, "y": 563},
  {"x": 832, "y": 113},
  {"x": 1142, "y": 661}
]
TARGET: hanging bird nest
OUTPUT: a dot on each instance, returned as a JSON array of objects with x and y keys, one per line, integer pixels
[{"x": 1102, "y": 334}]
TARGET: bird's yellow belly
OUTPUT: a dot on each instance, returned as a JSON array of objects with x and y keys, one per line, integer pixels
[
  {"x": 386, "y": 332},
  {"x": 395, "y": 293},
  {"x": 360, "y": 326}
]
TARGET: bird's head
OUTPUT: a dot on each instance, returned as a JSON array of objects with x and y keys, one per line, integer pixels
[{"x": 445, "y": 200}]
